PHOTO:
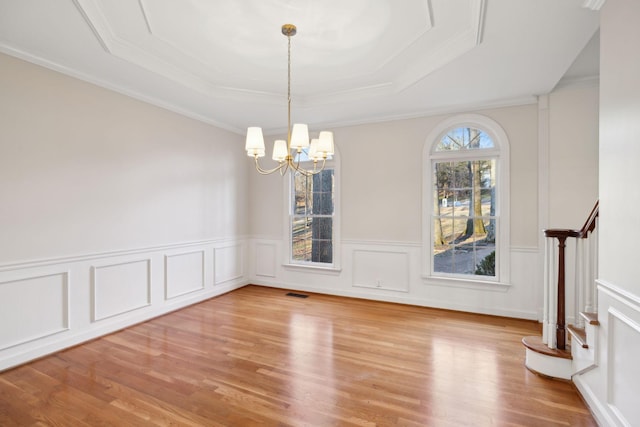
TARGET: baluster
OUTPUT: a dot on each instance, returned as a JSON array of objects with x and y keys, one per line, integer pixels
[
  {"x": 561, "y": 333},
  {"x": 588, "y": 302},
  {"x": 595, "y": 236},
  {"x": 580, "y": 284},
  {"x": 548, "y": 248},
  {"x": 553, "y": 296}
]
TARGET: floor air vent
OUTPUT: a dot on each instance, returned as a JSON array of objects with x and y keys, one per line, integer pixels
[{"x": 293, "y": 294}]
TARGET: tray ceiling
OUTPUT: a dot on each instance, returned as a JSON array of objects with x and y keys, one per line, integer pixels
[{"x": 354, "y": 61}]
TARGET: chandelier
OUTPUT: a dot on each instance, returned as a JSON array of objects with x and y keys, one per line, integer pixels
[{"x": 288, "y": 153}]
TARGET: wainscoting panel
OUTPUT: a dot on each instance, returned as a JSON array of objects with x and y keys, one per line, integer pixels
[
  {"x": 228, "y": 263},
  {"x": 120, "y": 288},
  {"x": 392, "y": 271},
  {"x": 50, "y": 304},
  {"x": 623, "y": 394},
  {"x": 266, "y": 259},
  {"x": 184, "y": 273},
  {"x": 612, "y": 388},
  {"x": 381, "y": 270},
  {"x": 33, "y": 308}
]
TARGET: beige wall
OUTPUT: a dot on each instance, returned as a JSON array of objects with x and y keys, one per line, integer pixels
[
  {"x": 620, "y": 143},
  {"x": 84, "y": 169},
  {"x": 381, "y": 181},
  {"x": 573, "y": 155}
]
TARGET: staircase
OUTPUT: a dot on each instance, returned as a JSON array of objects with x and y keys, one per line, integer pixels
[{"x": 568, "y": 349}]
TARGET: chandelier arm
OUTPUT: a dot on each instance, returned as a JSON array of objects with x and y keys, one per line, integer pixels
[
  {"x": 284, "y": 168},
  {"x": 269, "y": 171},
  {"x": 324, "y": 161},
  {"x": 308, "y": 172}
]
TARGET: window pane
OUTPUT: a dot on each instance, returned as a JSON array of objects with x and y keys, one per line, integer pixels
[
  {"x": 442, "y": 181},
  {"x": 462, "y": 171},
  {"x": 322, "y": 228},
  {"x": 486, "y": 253},
  {"x": 461, "y": 203},
  {"x": 488, "y": 202},
  {"x": 443, "y": 261},
  {"x": 322, "y": 251},
  {"x": 301, "y": 239},
  {"x": 312, "y": 239},
  {"x": 444, "y": 175},
  {"x": 322, "y": 188},
  {"x": 302, "y": 199},
  {"x": 443, "y": 232},
  {"x": 464, "y": 138},
  {"x": 487, "y": 173},
  {"x": 462, "y": 253},
  {"x": 486, "y": 261}
]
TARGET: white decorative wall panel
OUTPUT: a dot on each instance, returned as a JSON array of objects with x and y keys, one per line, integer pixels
[
  {"x": 624, "y": 335},
  {"x": 119, "y": 288},
  {"x": 611, "y": 389},
  {"x": 266, "y": 259},
  {"x": 228, "y": 263},
  {"x": 381, "y": 270},
  {"x": 50, "y": 304},
  {"x": 391, "y": 271},
  {"x": 33, "y": 308},
  {"x": 184, "y": 273}
]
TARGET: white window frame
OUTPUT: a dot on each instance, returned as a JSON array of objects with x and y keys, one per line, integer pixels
[
  {"x": 289, "y": 262},
  {"x": 501, "y": 153}
]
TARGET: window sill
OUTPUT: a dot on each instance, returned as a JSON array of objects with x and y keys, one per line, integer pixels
[
  {"x": 456, "y": 282},
  {"x": 313, "y": 268}
]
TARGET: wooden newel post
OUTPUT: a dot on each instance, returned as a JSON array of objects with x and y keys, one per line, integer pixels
[
  {"x": 560, "y": 325},
  {"x": 561, "y": 235}
]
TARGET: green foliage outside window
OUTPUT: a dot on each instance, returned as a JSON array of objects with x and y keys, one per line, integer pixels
[{"x": 487, "y": 267}]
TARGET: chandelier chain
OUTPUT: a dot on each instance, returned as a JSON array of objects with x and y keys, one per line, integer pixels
[{"x": 289, "y": 90}]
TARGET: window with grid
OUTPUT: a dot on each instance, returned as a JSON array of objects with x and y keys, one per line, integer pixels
[
  {"x": 311, "y": 215},
  {"x": 464, "y": 208}
]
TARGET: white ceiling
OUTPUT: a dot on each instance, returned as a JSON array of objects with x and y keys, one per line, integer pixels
[{"x": 355, "y": 61}]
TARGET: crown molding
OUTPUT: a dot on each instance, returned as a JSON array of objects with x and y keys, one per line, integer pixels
[
  {"x": 54, "y": 66},
  {"x": 456, "y": 109},
  {"x": 576, "y": 82}
]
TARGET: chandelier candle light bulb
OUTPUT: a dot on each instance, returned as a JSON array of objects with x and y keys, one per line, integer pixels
[
  {"x": 297, "y": 138},
  {"x": 280, "y": 150},
  {"x": 255, "y": 142}
]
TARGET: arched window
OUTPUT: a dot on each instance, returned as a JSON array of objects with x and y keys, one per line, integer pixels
[{"x": 465, "y": 201}]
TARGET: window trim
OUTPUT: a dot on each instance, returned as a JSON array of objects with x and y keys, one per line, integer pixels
[
  {"x": 288, "y": 261},
  {"x": 501, "y": 154}
]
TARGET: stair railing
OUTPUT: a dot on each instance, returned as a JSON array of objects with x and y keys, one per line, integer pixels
[{"x": 554, "y": 332}]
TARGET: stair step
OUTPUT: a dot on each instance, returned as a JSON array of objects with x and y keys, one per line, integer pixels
[
  {"x": 579, "y": 335},
  {"x": 535, "y": 343},
  {"x": 590, "y": 318}
]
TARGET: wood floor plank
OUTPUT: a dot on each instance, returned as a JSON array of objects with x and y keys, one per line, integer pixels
[{"x": 257, "y": 357}]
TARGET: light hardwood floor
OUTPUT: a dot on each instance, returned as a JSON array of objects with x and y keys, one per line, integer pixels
[{"x": 257, "y": 357}]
